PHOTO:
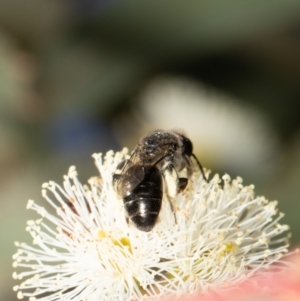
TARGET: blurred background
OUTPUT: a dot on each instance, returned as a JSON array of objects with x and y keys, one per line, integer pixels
[{"x": 79, "y": 77}]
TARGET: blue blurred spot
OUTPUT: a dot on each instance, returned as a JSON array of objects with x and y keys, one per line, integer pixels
[{"x": 79, "y": 135}]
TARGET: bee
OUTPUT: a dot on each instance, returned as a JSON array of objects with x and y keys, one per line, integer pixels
[{"x": 161, "y": 161}]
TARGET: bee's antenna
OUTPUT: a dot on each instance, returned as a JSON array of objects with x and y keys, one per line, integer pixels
[{"x": 200, "y": 167}]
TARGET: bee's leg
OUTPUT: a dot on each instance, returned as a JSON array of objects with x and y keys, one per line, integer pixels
[
  {"x": 115, "y": 178},
  {"x": 172, "y": 208},
  {"x": 171, "y": 179},
  {"x": 171, "y": 185}
]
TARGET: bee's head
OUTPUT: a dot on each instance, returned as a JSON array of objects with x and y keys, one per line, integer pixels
[{"x": 186, "y": 145}]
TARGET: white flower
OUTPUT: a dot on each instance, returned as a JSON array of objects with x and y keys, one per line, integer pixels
[{"x": 87, "y": 251}]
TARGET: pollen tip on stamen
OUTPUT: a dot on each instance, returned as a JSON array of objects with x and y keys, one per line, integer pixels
[
  {"x": 44, "y": 193},
  {"x": 207, "y": 172},
  {"x": 273, "y": 204},
  {"x": 101, "y": 234},
  {"x": 29, "y": 204},
  {"x": 93, "y": 181},
  {"x": 45, "y": 185},
  {"x": 20, "y": 295},
  {"x": 239, "y": 179},
  {"x": 109, "y": 153},
  {"x": 72, "y": 172},
  {"x": 285, "y": 227},
  {"x": 125, "y": 150},
  {"x": 98, "y": 159},
  {"x": 226, "y": 178},
  {"x": 216, "y": 178},
  {"x": 95, "y": 156},
  {"x": 267, "y": 253}
]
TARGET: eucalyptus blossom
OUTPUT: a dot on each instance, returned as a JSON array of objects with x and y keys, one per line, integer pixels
[{"x": 84, "y": 249}]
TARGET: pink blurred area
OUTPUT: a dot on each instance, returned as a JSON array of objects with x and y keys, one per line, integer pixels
[{"x": 277, "y": 287}]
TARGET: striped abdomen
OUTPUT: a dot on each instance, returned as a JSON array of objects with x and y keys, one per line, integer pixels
[{"x": 144, "y": 203}]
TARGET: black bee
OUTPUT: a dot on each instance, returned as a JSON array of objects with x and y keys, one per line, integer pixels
[{"x": 160, "y": 157}]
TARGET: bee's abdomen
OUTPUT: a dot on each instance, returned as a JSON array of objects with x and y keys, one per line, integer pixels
[{"x": 144, "y": 203}]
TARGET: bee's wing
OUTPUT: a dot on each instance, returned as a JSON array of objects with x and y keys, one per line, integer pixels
[
  {"x": 157, "y": 154},
  {"x": 131, "y": 175},
  {"x": 130, "y": 179},
  {"x": 132, "y": 172}
]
